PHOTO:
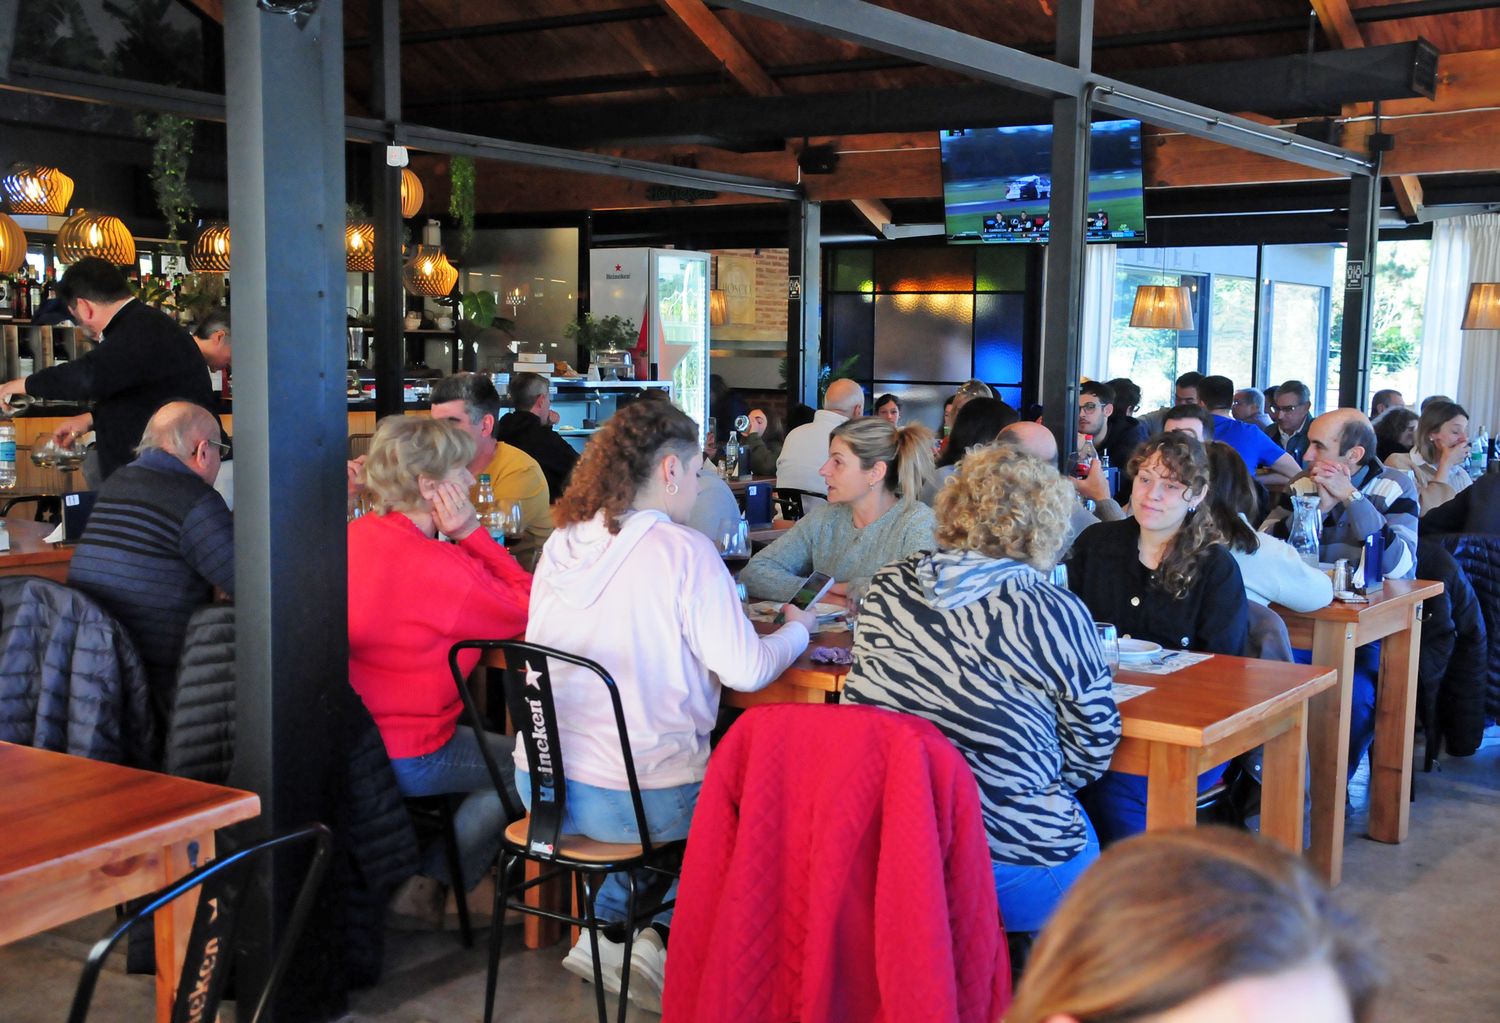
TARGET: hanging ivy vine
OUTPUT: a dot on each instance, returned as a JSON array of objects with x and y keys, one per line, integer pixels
[
  {"x": 461, "y": 200},
  {"x": 171, "y": 149}
]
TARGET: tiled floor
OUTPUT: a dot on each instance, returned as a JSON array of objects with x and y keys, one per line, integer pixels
[{"x": 1433, "y": 900}]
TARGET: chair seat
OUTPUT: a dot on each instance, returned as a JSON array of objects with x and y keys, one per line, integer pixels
[{"x": 576, "y": 847}]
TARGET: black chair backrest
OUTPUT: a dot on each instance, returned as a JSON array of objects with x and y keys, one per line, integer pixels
[
  {"x": 528, "y": 693},
  {"x": 789, "y": 503},
  {"x": 221, "y": 886}
]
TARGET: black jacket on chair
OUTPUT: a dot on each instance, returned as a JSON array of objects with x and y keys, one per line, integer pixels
[
  {"x": 70, "y": 679},
  {"x": 1478, "y": 554},
  {"x": 1451, "y": 672}
]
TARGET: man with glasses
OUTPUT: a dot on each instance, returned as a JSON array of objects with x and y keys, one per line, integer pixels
[
  {"x": 1292, "y": 412},
  {"x": 1268, "y": 462},
  {"x": 1096, "y": 403},
  {"x": 142, "y": 360},
  {"x": 160, "y": 541},
  {"x": 1250, "y": 407}
]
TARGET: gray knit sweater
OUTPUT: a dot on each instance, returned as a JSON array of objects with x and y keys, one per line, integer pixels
[{"x": 828, "y": 541}]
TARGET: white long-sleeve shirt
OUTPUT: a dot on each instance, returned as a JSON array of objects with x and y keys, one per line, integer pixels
[
  {"x": 656, "y": 607},
  {"x": 805, "y": 450},
  {"x": 1276, "y": 574}
]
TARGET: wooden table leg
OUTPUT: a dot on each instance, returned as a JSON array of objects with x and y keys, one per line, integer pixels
[
  {"x": 1171, "y": 787},
  {"x": 1395, "y": 725},
  {"x": 1282, "y": 785},
  {"x": 174, "y": 923},
  {"x": 1328, "y": 747}
]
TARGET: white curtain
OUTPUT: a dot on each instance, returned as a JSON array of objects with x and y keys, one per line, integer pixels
[
  {"x": 1479, "y": 371},
  {"x": 1098, "y": 306},
  {"x": 1461, "y": 363}
]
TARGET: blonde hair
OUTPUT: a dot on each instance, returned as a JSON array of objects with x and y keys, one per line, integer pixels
[
  {"x": 1005, "y": 504},
  {"x": 407, "y": 448},
  {"x": 1164, "y": 917},
  {"x": 906, "y": 452}
]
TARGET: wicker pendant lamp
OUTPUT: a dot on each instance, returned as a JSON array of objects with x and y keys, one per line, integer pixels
[
  {"x": 87, "y": 234},
  {"x": 429, "y": 273},
  {"x": 37, "y": 190},
  {"x": 359, "y": 246},
  {"x": 12, "y": 245},
  {"x": 210, "y": 252},
  {"x": 411, "y": 193}
]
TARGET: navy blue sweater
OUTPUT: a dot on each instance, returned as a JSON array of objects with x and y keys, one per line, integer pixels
[{"x": 157, "y": 543}]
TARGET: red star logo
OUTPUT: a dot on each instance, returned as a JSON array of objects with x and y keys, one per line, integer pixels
[{"x": 617, "y": 268}]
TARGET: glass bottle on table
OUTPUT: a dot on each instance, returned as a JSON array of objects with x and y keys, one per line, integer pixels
[
  {"x": 489, "y": 514},
  {"x": 1306, "y": 529}
]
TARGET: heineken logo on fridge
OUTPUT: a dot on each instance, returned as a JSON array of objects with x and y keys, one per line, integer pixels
[{"x": 617, "y": 275}]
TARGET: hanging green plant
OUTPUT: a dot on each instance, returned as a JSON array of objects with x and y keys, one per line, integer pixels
[
  {"x": 461, "y": 200},
  {"x": 171, "y": 149}
]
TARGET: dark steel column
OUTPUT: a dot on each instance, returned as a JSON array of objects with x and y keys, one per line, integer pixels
[
  {"x": 1359, "y": 290},
  {"x": 285, "y": 111},
  {"x": 804, "y": 335},
  {"x": 1062, "y": 286},
  {"x": 389, "y": 349}
]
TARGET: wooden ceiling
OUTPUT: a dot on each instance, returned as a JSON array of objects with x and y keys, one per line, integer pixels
[{"x": 481, "y": 65}]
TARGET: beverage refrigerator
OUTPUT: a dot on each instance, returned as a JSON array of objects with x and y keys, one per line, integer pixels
[{"x": 665, "y": 292}]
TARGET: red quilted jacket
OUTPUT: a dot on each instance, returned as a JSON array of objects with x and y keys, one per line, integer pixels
[{"x": 837, "y": 870}]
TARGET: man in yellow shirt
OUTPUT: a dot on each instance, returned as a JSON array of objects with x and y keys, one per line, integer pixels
[{"x": 470, "y": 401}]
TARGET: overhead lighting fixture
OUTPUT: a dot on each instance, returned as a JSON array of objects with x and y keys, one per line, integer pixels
[
  {"x": 100, "y": 235},
  {"x": 210, "y": 251},
  {"x": 429, "y": 273},
  {"x": 1483, "y": 309},
  {"x": 12, "y": 245},
  {"x": 359, "y": 246},
  {"x": 1162, "y": 307},
  {"x": 411, "y": 193},
  {"x": 43, "y": 191}
]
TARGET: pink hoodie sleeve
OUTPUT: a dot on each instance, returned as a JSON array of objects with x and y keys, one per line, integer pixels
[{"x": 718, "y": 632}]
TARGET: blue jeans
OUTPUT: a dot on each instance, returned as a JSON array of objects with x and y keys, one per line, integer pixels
[
  {"x": 1116, "y": 803},
  {"x": 1028, "y": 895},
  {"x": 458, "y": 766},
  {"x": 1361, "y": 701},
  {"x": 607, "y": 815}
]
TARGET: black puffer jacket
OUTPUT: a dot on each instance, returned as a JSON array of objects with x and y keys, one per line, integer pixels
[
  {"x": 70, "y": 679},
  {"x": 200, "y": 727},
  {"x": 1451, "y": 670},
  {"x": 1478, "y": 554}
]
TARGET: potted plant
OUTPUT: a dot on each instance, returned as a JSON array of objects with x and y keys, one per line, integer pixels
[
  {"x": 603, "y": 334},
  {"x": 477, "y": 313}
]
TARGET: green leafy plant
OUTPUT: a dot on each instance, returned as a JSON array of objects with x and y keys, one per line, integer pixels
[
  {"x": 602, "y": 334},
  {"x": 152, "y": 291},
  {"x": 171, "y": 149},
  {"x": 461, "y": 200},
  {"x": 201, "y": 293},
  {"x": 478, "y": 312}
]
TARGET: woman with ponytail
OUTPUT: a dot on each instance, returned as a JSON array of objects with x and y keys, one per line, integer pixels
[
  {"x": 875, "y": 475},
  {"x": 1162, "y": 575}
]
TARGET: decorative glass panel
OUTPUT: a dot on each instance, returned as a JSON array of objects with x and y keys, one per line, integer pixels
[
  {"x": 1002, "y": 268},
  {"x": 924, "y": 337},
  {"x": 854, "y": 270},
  {"x": 999, "y": 330},
  {"x": 948, "y": 269},
  {"x": 851, "y": 329}
]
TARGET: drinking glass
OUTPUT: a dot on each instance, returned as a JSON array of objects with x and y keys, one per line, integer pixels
[
  {"x": 512, "y": 523},
  {"x": 1109, "y": 639},
  {"x": 742, "y": 424}
]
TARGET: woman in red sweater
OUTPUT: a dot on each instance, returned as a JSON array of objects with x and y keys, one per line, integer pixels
[{"x": 411, "y": 597}]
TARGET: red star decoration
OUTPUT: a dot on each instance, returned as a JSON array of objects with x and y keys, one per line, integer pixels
[{"x": 617, "y": 268}]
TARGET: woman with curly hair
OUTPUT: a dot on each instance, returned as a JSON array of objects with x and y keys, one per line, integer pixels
[
  {"x": 622, "y": 581},
  {"x": 1162, "y": 575},
  {"x": 975, "y": 639},
  {"x": 875, "y": 474}
]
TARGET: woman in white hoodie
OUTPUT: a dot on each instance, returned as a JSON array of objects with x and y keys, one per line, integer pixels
[{"x": 625, "y": 583}]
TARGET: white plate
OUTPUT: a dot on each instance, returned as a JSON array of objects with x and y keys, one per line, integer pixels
[{"x": 1138, "y": 649}]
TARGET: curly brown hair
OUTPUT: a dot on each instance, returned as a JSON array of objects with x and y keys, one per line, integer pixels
[
  {"x": 1183, "y": 459},
  {"x": 620, "y": 458},
  {"x": 1004, "y": 504}
]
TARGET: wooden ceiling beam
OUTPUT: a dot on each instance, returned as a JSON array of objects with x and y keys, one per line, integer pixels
[
  {"x": 874, "y": 211},
  {"x": 706, "y": 27}
]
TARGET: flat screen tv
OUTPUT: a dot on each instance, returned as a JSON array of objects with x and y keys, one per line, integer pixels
[{"x": 997, "y": 184}]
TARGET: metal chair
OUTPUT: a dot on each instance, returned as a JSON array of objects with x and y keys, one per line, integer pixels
[
  {"x": 539, "y": 836},
  {"x": 789, "y": 502},
  {"x": 437, "y": 812},
  {"x": 221, "y": 886}
]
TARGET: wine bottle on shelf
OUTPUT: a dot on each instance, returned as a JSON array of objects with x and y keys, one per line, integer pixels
[
  {"x": 25, "y": 358},
  {"x": 37, "y": 297}
]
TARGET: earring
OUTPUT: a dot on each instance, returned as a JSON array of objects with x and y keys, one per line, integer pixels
[{"x": 671, "y": 490}]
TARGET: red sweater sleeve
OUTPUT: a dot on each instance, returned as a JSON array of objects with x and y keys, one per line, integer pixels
[{"x": 497, "y": 604}]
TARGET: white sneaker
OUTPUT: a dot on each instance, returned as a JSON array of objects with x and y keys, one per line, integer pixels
[
  {"x": 648, "y": 970},
  {"x": 580, "y": 961},
  {"x": 417, "y": 905}
]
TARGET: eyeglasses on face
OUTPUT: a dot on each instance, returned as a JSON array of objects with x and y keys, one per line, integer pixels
[
  {"x": 223, "y": 448},
  {"x": 1090, "y": 408}
]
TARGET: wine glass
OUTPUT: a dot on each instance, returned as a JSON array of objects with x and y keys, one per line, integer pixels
[
  {"x": 513, "y": 524},
  {"x": 742, "y": 423},
  {"x": 1109, "y": 639}
]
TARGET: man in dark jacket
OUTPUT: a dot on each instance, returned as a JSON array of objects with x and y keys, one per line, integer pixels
[
  {"x": 529, "y": 427},
  {"x": 143, "y": 360},
  {"x": 159, "y": 540}
]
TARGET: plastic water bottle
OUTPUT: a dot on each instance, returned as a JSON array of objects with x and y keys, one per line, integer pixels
[
  {"x": 490, "y": 516},
  {"x": 7, "y": 456},
  {"x": 1479, "y": 453},
  {"x": 732, "y": 455}
]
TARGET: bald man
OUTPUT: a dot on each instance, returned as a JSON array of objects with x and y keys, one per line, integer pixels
[
  {"x": 1036, "y": 440},
  {"x": 160, "y": 540},
  {"x": 806, "y": 448}
]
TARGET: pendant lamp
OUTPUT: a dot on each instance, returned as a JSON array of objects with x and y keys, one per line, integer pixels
[
  {"x": 411, "y": 193},
  {"x": 87, "y": 234},
  {"x": 359, "y": 246},
  {"x": 1483, "y": 309},
  {"x": 210, "y": 252},
  {"x": 429, "y": 273},
  {"x": 12, "y": 245},
  {"x": 37, "y": 190},
  {"x": 1162, "y": 307}
]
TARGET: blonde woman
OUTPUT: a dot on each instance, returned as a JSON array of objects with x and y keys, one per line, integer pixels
[
  {"x": 1436, "y": 459},
  {"x": 411, "y": 597},
  {"x": 1199, "y": 926},
  {"x": 975, "y": 639},
  {"x": 875, "y": 474}
]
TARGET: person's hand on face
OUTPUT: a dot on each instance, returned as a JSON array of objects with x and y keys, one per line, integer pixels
[
  {"x": 356, "y": 468},
  {"x": 1452, "y": 443},
  {"x": 452, "y": 512}
]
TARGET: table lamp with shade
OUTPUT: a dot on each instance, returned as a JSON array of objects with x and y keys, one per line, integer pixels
[{"x": 1482, "y": 312}]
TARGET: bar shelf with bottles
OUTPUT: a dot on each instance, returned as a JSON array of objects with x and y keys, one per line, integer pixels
[{"x": 29, "y": 347}]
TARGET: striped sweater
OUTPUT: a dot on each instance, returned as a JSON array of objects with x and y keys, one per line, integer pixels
[
  {"x": 1009, "y": 668},
  {"x": 157, "y": 543},
  {"x": 1391, "y": 507}
]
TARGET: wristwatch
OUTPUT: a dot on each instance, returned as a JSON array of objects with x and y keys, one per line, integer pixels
[{"x": 1354, "y": 495}]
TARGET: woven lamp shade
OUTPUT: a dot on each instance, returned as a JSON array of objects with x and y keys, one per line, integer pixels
[
  {"x": 429, "y": 273},
  {"x": 87, "y": 234},
  {"x": 12, "y": 245},
  {"x": 411, "y": 193},
  {"x": 1162, "y": 307},
  {"x": 359, "y": 247},
  {"x": 718, "y": 307},
  {"x": 1483, "y": 309},
  {"x": 44, "y": 191},
  {"x": 210, "y": 253}
]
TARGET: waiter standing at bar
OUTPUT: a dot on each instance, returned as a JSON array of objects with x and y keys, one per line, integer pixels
[{"x": 144, "y": 359}]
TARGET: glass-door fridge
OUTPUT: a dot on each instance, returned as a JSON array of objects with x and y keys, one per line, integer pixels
[{"x": 665, "y": 292}]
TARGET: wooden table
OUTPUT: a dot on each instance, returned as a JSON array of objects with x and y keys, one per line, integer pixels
[
  {"x": 1209, "y": 712},
  {"x": 804, "y": 681},
  {"x": 1333, "y": 634},
  {"x": 28, "y": 555},
  {"x": 740, "y": 484},
  {"x": 81, "y": 836}
]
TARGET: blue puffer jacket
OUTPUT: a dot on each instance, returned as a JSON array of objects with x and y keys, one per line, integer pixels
[
  {"x": 70, "y": 679},
  {"x": 1478, "y": 554}
]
